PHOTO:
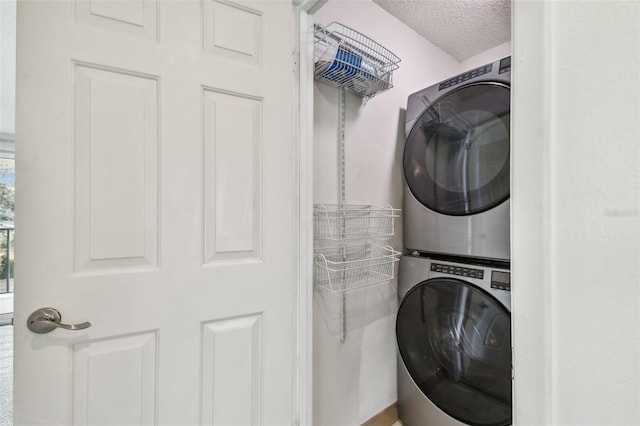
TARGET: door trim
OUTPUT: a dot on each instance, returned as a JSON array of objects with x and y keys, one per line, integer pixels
[
  {"x": 530, "y": 217},
  {"x": 302, "y": 374},
  {"x": 532, "y": 257}
]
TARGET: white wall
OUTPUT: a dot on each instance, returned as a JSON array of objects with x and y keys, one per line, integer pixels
[
  {"x": 490, "y": 55},
  {"x": 356, "y": 379},
  {"x": 576, "y": 213}
]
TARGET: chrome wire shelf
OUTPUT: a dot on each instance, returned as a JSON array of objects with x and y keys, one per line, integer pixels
[
  {"x": 346, "y": 58},
  {"x": 346, "y": 223},
  {"x": 347, "y": 268},
  {"x": 355, "y": 309}
]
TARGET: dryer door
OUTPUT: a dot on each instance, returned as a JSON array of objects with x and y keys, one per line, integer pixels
[
  {"x": 456, "y": 160},
  {"x": 455, "y": 341}
]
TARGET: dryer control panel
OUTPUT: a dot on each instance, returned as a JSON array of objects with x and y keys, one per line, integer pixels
[{"x": 477, "y": 72}]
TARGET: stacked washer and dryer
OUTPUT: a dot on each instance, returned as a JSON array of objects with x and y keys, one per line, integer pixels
[{"x": 453, "y": 327}]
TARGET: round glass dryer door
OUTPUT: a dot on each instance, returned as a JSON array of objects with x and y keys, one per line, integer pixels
[
  {"x": 456, "y": 160},
  {"x": 455, "y": 341}
]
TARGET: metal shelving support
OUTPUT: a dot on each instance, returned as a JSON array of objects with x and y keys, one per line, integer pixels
[
  {"x": 343, "y": 201},
  {"x": 353, "y": 62}
]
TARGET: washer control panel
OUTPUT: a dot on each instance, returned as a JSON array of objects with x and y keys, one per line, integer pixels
[
  {"x": 500, "y": 280},
  {"x": 457, "y": 270}
]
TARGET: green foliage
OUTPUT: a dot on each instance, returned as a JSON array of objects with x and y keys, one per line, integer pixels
[
  {"x": 3, "y": 267},
  {"x": 7, "y": 203},
  {"x": 7, "y": 193}
]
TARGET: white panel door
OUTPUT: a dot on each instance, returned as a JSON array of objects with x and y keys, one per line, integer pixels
[{"x": 155, "y": 200}]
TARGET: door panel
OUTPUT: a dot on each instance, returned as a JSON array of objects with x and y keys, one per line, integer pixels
[
  {"x": 138, "y": 17},
  {"x": 116, "y": 169},
  {"x": 121, "y": 370},
  {"x": 233, "y": 149},
  {"x": 155, "y": 200},
  {"x": 233, "y": 31},
  {"x": 235, "y": 342}
]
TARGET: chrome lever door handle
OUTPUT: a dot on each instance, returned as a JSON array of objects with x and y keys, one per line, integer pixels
[{"x": 44, "y": 320}]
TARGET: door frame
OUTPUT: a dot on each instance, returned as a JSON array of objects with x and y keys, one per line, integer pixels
[
  {"x": 531, "y": 221},
  {"x": 302, "y": 374},
  {"x": 532, "y": 224}
]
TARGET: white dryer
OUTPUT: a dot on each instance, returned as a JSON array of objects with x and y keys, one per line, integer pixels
[
  {"x": 453, "y": 332},
  {"x": 456, "y": 165}
]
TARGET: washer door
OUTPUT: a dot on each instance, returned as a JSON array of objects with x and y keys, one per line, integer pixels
[
  {"x": 456, "y": 160},
  {"x": 455, "y": 341}
]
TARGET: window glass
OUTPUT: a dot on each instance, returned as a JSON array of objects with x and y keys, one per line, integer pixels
[
  {"x": 7, "y": 190},
  {"x": 7, "y": 155}
]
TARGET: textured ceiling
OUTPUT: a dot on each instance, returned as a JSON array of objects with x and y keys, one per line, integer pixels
[{"x": 462, "y": 28}]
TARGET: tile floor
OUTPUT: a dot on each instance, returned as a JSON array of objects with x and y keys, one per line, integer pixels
[
  {"x": 6, "y": 307},
  {"x": 6, "y": 375}
]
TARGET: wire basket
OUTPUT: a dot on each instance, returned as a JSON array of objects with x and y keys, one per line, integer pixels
[
  {"x": 345, "y": 223},
  {"x": 346, "y": 58},
  {"x": 349, "y": 311},
  {"x": 342, "y": 269}
]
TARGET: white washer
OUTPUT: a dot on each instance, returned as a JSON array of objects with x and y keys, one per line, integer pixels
[
  {"x": 453, "y": 332},
  {"x": 456, "y": 165}
]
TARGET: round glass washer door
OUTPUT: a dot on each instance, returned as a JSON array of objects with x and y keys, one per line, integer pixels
[
  {"x": 455, "y": 342},
  {"x": 456, "y": 160}
]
